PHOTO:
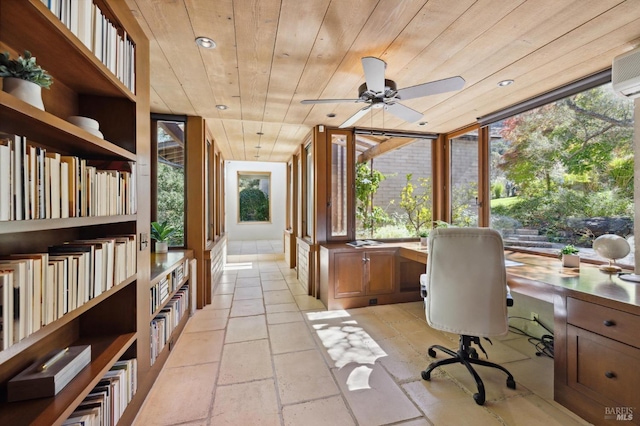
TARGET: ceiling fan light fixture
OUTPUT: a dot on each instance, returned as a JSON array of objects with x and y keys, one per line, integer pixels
[
  {"x": 504, "y": 83},
  {"x": 222, "y": 107},
  {"x": 206, "y": 42}
]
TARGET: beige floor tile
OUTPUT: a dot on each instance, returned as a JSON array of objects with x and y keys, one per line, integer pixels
[
  {"x": 228, "y": 278},
  {"x": 243, "y": 293},
  {"x": 285, "y": 307},
  {"x": 290, "y": 337},
  {"x": 242, "y": 329},
  {"x": 391, "y": 313},
  {"x": 296, "y": 289},
  {"x": 252, "y": 403},
  {"x": 248, "y": 282},
  {"x": 414, "y": 308},
  {"x": 271, "y": 275},
  {"x": 308, "y": 303},
  {"x": 225, "y": 288},
  {"x": 245, "y": 308},
  {"x": 245, "y": 361},
  {"x": 206, "y": 320},
  {"x": 197, "y": 348},
  {"x": 409, "y": 326},
  {"x": 532, "y": 410},
  {"x": 284, "y": 317},
  {"x": 321, "y": 412},
  {"x": 278, "y": 297},
  {"x": 421, "y": 340},
  {"x": 221, "y": 301},
  {"x": 417, "y": 422},
  {"x": 444, "y": 403},
  {"x": 373, "y": 396},
  {"x": 375, "y": 327},
  {"x": 270, "y": 285},
  {"x": 179, "y": 395},
  {"x": 303, "y": 376},
  {"x": 403, "y": 362},
  {"x": 246, "y": 273},
  {"x": 268, "y": 267}
]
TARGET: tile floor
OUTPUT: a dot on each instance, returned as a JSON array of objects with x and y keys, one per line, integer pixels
[
  {"x": 255, "y": 247},
  {"x": 264, "y": 353}
]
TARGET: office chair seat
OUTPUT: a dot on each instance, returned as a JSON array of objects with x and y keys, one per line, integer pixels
[{"x": 466, "y": 294}]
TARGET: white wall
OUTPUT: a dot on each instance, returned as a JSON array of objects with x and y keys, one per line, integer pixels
[{"x": 256, "y": 231}]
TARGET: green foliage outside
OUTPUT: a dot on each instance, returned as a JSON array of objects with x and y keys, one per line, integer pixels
[
  {"x": 415, "y": 199},
  {"x": 254, "y": 204},
  {"x": 171, "y": 201},
  {"x": 369, "y": 217},
  {"x": 570, "y": 159}
]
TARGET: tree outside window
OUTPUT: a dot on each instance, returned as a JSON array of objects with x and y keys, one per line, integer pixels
[{"x": 253, "y": 199}]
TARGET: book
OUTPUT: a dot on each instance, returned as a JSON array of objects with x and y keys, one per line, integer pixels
[
  {"x": 20, "y": 301},
  {"x": 6, "y": 309},
  {"x": 49, "y": 374},
  {"x": 5, "y": 182},
  {"x": 363, "y": 243}
]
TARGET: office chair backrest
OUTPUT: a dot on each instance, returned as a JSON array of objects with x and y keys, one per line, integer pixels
[{"x": 466, "y": 282}]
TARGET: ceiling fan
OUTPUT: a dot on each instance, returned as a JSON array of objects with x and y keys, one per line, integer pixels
[{"x": 378, "y": 92}]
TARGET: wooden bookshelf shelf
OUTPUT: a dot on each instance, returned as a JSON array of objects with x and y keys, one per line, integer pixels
[
  {"x": 35, "y": 225},
  {"x": 55, "y": 133},
  {"x": 105, "y": 350}
]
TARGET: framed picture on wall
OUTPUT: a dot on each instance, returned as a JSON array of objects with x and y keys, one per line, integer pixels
[{"x": 254, "y": 190}]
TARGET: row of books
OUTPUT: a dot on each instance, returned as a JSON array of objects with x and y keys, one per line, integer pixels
[
  {"x": 36, "y": 184},
  {"x": 106, "y": 403},
  {"x": 167, "y": 320},
  {"x": 167, "y": 285},
  {"x": 37, "y": 289},
  {"x": 110, "y": 44}
]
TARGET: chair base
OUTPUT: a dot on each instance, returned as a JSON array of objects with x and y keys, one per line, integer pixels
[{"x": 466, "y": 355}]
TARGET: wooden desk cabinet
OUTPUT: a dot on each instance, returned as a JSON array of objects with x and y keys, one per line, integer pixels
[
  {"x": 351, "y": 277},
  {"x": 596, "y": 336}
]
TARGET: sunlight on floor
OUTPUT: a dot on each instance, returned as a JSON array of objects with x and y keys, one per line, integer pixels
[{"x": 238, "y": 266}]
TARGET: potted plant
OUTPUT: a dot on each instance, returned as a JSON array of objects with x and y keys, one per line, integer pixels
[
  {"x": 161, "y": 233},
  {"x": 570, "y": 257},
  {"x": 424, "y": 238},
  {"x": 24, "y": 79}
]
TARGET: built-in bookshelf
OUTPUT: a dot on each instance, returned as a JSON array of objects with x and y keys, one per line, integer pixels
[
  {"x": 73, "y": 236},
  {"x": 171, "y": 291}
]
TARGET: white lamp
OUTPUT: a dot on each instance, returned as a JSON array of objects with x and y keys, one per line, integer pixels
[{"x": 611, "y": 247}]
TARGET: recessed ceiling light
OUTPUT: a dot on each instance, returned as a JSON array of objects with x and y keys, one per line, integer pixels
[
  {"x": 259, "y": 133},
  {"x": 222, "y": 107},
  {"x": 205, "y": 42},
  {"x": 422, "y": 123},
  {"x": 258, "y": 147},
  {"x": 331, "y": 115},
  {"x": 505, "y": 83},
  {"x": 256, "y": 156}
]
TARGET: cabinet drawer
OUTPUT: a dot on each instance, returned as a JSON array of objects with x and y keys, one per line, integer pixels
[
  {"x": 608, "y": 322},
  {"x": 603, "y": 369}
]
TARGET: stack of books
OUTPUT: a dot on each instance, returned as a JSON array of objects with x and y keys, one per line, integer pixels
[
  {"x": 36, "y": 184},
  {"x": 107, "y": 401},
  {"x": 167, "y": 320}
]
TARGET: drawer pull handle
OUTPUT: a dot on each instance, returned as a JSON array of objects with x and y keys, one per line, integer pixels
[
  {"x": 610, "y": 375},
  {"x": 609, "y": 323}
]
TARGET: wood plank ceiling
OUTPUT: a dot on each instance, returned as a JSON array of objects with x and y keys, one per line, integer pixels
[{"x": 271, "y": 54}]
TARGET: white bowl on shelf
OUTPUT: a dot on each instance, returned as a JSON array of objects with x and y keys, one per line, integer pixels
[
  {"x": 84, "y": 122},
  {"x": 95, "y": 132}
]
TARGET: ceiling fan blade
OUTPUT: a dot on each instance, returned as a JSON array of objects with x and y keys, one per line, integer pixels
[
  {"x": 329, "y": 101},
  {"x": 403, "y": 112},
  {"x": 431, "y": 88},
  {"x": 374, "y": 73},
  {"x": 355, "y": 117}
]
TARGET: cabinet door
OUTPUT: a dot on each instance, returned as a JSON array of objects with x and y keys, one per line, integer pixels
[
  {"x": 381, "y": 272},
  {"x": 349, "y": 274}
]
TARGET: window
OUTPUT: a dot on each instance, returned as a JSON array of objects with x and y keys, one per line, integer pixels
[
  {"x": 307, "y": 191},
  {"x": 254, "y": 191},
  {"x": 170, "y": 182},
  {"x": 464, "y": 179},
  {"x": 393, "y": 185},
  {"x": 339, "y": 204},
  {"x": 563, "y": 173}
]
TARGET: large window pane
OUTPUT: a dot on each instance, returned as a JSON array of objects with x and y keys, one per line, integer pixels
[
  {"x": 171, "y": 177},
  {"x": 464, "y": 179},
  {"x": 394, "y": 189},
  {"x": 563, "y": 173}
]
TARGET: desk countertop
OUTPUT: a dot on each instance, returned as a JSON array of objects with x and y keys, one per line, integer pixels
[{"x": 541, "y": 277}]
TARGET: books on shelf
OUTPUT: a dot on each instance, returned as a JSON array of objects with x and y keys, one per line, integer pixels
[
  {"x": 40, "y": 184},
  {"x": 104, "y": 38},
  {"x": 163, "y": 324},
  {"x": 49, "y": 374},
  {"x": 106, "y": 403}
]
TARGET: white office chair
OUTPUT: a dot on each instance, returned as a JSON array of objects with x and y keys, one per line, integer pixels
[{"x": 466, "y": 294}]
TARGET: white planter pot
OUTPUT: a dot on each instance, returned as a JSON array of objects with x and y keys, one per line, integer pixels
[
  {"x": 162, "y": 247},
  {"x": 571, "y": 260},
  {"x": 24, "y": 90},
  {"x": 424, "y": 241}
]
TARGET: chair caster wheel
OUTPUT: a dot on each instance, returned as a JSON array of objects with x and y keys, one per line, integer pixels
[
  {"x": 432, "y": 353},
  {"x": 473, "y": 353},
  {"x": 426, "y": 375},
  {"x": 479, "y": 399},
  {"x": 511, "y": 384}
]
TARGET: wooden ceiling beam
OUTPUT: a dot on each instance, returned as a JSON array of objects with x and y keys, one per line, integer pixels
[{"x": 384, "y": 147}]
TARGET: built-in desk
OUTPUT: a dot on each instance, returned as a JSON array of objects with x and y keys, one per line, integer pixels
[{"x": 596, "y": 335}]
